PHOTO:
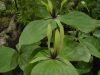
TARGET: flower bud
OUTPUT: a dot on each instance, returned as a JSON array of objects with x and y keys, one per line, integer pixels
[
  {"x": 61, "y": 32},
  {"x": 57, "y": 41},
  {"x": 49, "y": 34}
]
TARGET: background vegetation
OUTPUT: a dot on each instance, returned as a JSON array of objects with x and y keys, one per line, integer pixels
[{"x": 15, "y": 15}]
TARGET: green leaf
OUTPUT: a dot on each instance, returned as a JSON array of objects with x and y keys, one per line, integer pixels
[
  {"x": 40, "y": 52},
  {"x": 93, "y": 45},
  {"x": 53, "y": 67},
  {"x": 26, "y": 55},
  {"x": 97, "y": 33},
  {"x": 79, "y": 20},
  {"x": 38, "y": 59},
  {"x": 63, "y": 2},
  {"x": 70, "y": 65},
  {"x": 8, "y": 59},
  {"x": 83, "y": 67},
  {"x": 35, "y": 31},
  {"x": 75, "y": 51},
  {"x": 98, "y": 23},
  {"x": 29, "y": 68}
]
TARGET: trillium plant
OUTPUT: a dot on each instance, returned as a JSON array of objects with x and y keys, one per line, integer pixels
[{"x": 69, "y": 37}]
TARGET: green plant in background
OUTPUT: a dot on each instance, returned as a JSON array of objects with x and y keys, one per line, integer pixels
[
  {"x": 91, "y": 7},
  {"x": 2, "y": 6},
  {"x": 79, "y": 43},
  {"x": 30, "y": 10},
  {"x": 8, "y": 8}
]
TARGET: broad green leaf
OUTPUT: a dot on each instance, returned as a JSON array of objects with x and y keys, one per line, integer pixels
[
  {"x": 69, "y": 64},
  {"x": 8, "y": 59},
  {"x": 53, "y": 67},
  {"x": 75, "y": 51},
  {"x": 35, "y": 31},
  {"x": 25, "y": 55},
  {"x": 29, "y": 68},
  {"x": 79, "y": 20},
  {"x": 39, "y": 54},
  {"x": 93, "y": 45}
]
